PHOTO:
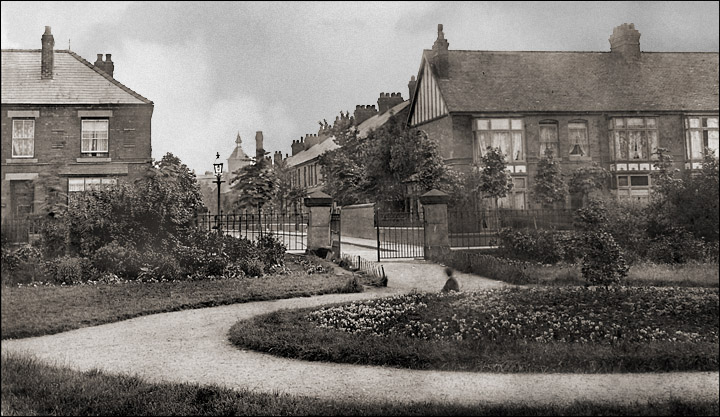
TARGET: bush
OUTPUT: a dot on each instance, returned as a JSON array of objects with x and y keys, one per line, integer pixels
[
  {"x": 159, "y": 266},
  {"x": 271, "y": 251},
  {"x": 603, "y": 263},
  {"x": 117, "y": 259},
  {"x": 21, "y": 265},
  {"x": 678, "y": 246},
  {"x": 53, "y": 235},
  {"x": 545, "y": 246},
  {"x": 70, "y": 270}
]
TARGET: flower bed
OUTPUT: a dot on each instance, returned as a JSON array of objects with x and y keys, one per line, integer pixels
[{"x": 566, "y": 314}]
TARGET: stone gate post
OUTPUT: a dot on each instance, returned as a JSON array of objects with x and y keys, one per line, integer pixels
[
  {"x": 437, "y": 240},
  {"x": 318, "y": 234}
]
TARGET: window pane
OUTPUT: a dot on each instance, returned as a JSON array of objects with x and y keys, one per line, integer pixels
[
  {"x": 548, "y": 133},
  {"x": 622, "y": 181},
  {"x": 22, "y": 147},
  {"x": 76, "y": 184},
  {"x": 694, "y": 122},
  {"x": 519, "y": 182},
  {"x": 639, "y": 181},
  {"x": 501, "y": 140},
  {"x": 712, "y": 122},
  {"x": 548, "y": 145},
  {"x": 653, "y": 142},
  {"x": 516, "y": 124},
  {"x": 635, "y": 122},
  {"x": 619, "y": 122},
  {"x": 638, "y": 145},
  {"x": 517, "y": 146},
  {"x": 109, "y": 181},
  {"x": 621, "y": 146},
  {"x": 498, "y": 124},
  {"x": 650, "y": 122},
  {"x": 577, "y": 134},
  {"x": 482, "y": 124},
  {"x": 23, "y": 129},
  {"x": 696, "y": 144},
  {"x": 713, "y": 141}
]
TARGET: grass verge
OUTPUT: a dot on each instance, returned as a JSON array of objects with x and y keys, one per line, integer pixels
[
  {"x": 36, "y": 311},
  {"x": 568, "y": 329},
  {"x": 30, "y": 387}
]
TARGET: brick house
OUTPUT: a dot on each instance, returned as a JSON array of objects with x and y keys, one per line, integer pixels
[
  {"x": 67, "y": 126},
  {"x": 612, "y": 108},
  {"x": 304, "y": 162}
]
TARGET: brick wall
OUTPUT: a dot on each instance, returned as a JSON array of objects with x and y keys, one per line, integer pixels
[{"x": 57, "y": 141}]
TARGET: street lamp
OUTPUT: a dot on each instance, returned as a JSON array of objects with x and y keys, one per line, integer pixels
[{"x": 218, "y": 168}]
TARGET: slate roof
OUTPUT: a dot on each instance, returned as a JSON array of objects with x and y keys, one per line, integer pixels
[
  {"x": 75, "y": 81},
  {"x": 491, "y": 81},
  {"x": 329, "y": 144}
]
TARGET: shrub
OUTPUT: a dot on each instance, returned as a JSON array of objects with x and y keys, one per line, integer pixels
[
  {"x": 159, "y": 266},
  {"x": 603, "y": 263},
  {"x": 21, "y": 265},
  {"x": 117, "y": 259},
  {"x": 70, "y": 270},
  {"x": 352, "y": 285},
  {"x": 678, "y": 246},
  {"x": 252, "y": 267},
  {"x": 545, "y": 246},
  {"x": 271, "y": 251},
  {"x": 53, "y": 237}
]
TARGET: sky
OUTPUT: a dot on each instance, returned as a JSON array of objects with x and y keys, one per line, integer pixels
[{"x": 216, "y": 69}]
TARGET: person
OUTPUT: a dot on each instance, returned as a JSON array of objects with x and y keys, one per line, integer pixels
[{"x": 451, "y": 284}]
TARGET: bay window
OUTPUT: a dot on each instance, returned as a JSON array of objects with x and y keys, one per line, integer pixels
[
  {"x": 633, "y": 138},
  {"x": 700, "y": 133},
  {"x": 505, "y": 134}
]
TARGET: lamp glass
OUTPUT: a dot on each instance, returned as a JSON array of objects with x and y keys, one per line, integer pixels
[{"x": 218, "y": 168}]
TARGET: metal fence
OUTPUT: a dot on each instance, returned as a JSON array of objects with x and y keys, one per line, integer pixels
[
  {"x": 288, "y": 228},
  {"x": 361, "y": 264},
  {"x": 400, "y": 234},
  {"x": 21, "y": 230},
  {"x": 479, "y": 228}
]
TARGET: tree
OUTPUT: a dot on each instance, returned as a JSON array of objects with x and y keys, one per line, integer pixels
[
  {"x": 549, "y": 186},
  {"x": 495, "y": 181},
  {"x": 690, "y": 202},
  {"x": 382, "y": 165},
  {"x": 587, "y": 180},
  {"x": 253, "y": 186},
  {"x": 287, "y": 196}
]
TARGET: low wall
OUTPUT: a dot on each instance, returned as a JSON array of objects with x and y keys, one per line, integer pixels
[{"x": 358, "y": 221}]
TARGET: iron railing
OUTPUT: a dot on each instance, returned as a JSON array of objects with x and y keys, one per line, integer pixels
[
  {"x": 21, "y": 230},
  {"x": 288, "y": 228},
  {"x": 479, "y": 228}
]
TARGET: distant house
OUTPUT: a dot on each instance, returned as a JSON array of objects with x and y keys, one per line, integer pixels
[
  {"x": 612, "y": 108},
  {"x": 67, "y": 126},
  {"x": 304, "y": 162}
]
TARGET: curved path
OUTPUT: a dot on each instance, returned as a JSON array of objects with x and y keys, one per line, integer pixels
[{"x": 192, "y": 346}]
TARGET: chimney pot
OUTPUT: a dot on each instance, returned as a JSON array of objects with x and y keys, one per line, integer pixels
[{"x": 440, "y": 54}]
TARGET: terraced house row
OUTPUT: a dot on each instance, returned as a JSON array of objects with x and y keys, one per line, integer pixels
[
  {"x": 613, "y": 108},
  {"x": 67, "y": 126}
]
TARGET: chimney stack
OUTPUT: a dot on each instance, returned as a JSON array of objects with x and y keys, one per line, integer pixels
[
  {"x": 625, "y": 41},
  {"x": 388, "y": 100},
  {"x": 411, "y": 86},
  {"x": 277, "y": 157},
  {"x": 297, "y": 147},
  {"x": 363, "y": 113},
  {"x": 106, "y": 66},
  {"x": 259, "y": 150},
  {"x": 440, "y": 54},
  {"x": 47, "y": 58}
]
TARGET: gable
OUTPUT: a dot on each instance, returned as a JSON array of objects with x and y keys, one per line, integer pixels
[{"x": 428, "y": 102}]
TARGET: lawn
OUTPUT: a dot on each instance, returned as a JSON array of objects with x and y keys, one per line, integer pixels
[
  {"x": 692, "y": 274},
  {"x": 540, "y": 329},
  {"x": 30, "y": 387},
  {"x": 39, "y": 310}
]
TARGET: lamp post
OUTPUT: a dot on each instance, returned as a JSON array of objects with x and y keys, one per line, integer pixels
[{"x": 218, "y": 168}]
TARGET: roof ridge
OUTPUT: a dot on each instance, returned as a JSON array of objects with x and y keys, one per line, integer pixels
[
  {"x": 572, "y": 52},
  {"x": 106, "y": 76}
]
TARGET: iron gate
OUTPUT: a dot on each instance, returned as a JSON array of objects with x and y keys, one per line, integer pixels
[{"x": 400, "y": 234}]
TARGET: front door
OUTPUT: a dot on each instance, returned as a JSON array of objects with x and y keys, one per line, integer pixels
[{"x": 22, "y": 195}]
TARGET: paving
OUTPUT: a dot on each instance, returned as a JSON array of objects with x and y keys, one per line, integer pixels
[{"x": 192, "y": 346}]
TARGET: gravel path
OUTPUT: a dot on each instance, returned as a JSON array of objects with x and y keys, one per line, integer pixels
[{"x": 192, "y": 346}]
